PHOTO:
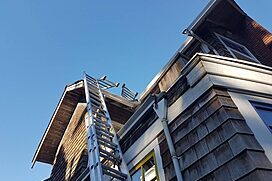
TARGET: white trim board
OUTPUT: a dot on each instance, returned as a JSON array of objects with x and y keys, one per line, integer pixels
[
  {"x": 256, "y": 124},
  {"x": 142, "y": 143}
]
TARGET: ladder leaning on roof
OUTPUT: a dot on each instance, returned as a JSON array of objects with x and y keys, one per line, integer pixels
[{"x": 105, "y": 159}]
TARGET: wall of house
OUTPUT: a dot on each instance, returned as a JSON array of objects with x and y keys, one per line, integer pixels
[
  {"x": 258, "y": 40},
  {"x": 214, "y": 142},
  {"x": 170, "y": 76},
  {"x": 212, "y": 139},
  {"x": 71, "y": 158}
]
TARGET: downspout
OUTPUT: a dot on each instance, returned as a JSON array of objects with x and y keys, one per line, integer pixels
[{"x": 161, "y": 110}]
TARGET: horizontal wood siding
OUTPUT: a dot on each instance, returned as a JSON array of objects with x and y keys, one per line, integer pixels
[
  {"x": 214, "y": 142},
  {"x": 71, "y": 159}
]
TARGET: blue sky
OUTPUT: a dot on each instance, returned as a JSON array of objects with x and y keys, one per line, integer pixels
[{"x": 47, "y": 44}]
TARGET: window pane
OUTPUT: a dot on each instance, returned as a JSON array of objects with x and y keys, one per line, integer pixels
[
  {"x": 265, "y": 112},
  {"x": 236, "y": 47}
]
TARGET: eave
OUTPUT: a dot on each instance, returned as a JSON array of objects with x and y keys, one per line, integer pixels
[
  {"x": 72, "y": 95},
  {"x": 52, "y": 136},
  {"x": 207, "y": 10}
]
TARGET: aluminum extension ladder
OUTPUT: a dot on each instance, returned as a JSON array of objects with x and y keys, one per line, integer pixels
[{"x": 105, "y": 159}]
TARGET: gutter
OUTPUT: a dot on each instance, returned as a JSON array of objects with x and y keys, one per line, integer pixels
[
  {"x": 161, "y": 110},
  {"x": 201, "y": 17}
]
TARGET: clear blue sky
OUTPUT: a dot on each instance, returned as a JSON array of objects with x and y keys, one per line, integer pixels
[{"x": 46, "y": 44}]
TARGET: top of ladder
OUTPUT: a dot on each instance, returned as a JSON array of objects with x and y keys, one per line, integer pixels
[{"x": 105, "y": 84}]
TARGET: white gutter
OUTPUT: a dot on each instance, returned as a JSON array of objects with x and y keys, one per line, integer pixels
[
  {"x": 198, "y": 20},
  {"x": 161, "y": 110}
]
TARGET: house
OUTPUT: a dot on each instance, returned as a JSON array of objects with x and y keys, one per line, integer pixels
[{"x": 205, "y": 116}]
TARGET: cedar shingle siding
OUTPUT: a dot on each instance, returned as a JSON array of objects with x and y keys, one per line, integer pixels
[
  {"x": 214, "y": 142},
  {"x": 71, "y": 159}
]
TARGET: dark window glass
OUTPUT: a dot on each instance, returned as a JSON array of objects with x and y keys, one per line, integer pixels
[
  {"x": 236, "y": 47},
  {"x": 265, "y": 112}
]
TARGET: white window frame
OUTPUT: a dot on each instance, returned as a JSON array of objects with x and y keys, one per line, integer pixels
[
  {"x": 231, "y": 50},
  {"x": 253, "y": 120}
]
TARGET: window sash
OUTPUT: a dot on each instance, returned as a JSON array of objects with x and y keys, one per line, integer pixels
[
  {"x": 265, "y": 113},
  {"x": 140, "y": 165},
  {"x": 245, "y": 52}
]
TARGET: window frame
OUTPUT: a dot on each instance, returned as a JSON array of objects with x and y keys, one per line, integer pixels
[
  {"x": 243, "y": 101},
  {"x": 143, "y": 161},
  {"x": 231, "y": 50},
  {"x": 263, "y": 106}
]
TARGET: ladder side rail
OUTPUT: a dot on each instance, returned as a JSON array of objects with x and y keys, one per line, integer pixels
[{"x": 93, "y": 153}]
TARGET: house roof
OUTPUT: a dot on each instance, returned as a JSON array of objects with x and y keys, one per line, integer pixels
[{"x": 72, "y": 95}]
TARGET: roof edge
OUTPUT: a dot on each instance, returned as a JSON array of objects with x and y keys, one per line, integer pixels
[
  {"x": 75, "y": 85},
  {"x": 156, "y": 79}
]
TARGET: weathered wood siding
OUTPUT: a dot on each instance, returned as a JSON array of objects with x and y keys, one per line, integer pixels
[
  {"x": 170, "y": 76},
  {"x": 71, "y": 158},
  {"x": 214, "y": 142}
]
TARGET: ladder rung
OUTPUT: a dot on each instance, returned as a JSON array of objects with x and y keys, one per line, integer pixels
[
  {"x": 99, "y": 114},
  {"x": 93, "y": 89},
  {"x": 104, "y": 123},
  {"x": 104, "y": 130},
  {"x": 95, "y": 108},
  {"x": 105, "y": 84},
  {"x": 98, "y": 103},
  {"x": 95, "y": 93},
  {"x": 95, "y": 105},
  {"x": 98, "y": 107},
  {"x": 106, "y": 158},
  {"x": 110, "y": 154},
  {"x": 95, "y": 96},
  {"x": 114, "y": 173},
  {"x": 92, "y": 85},
  {"x": 113, "y": 159},
  {"x": 111, "y": 146},
  {"x": 89, "y": 77},
  {"x": 104, "y": 134},
  {"x": 106, "y": 140}
]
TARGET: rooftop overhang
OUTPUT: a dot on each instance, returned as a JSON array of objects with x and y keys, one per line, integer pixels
[
  {"x": 216, "y": 12},
  {"x": 119, "y": 108},
  {"x": 52, "y": 136}
]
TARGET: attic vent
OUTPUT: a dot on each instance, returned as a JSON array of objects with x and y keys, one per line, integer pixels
[{"x": 128, "y": 94}]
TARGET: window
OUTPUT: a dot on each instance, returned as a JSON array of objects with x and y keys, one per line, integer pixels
[
  {"x": 237, "y": 50},
  {"x": 265, "y": 113},
  {"x": 146, "y": 170}
]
